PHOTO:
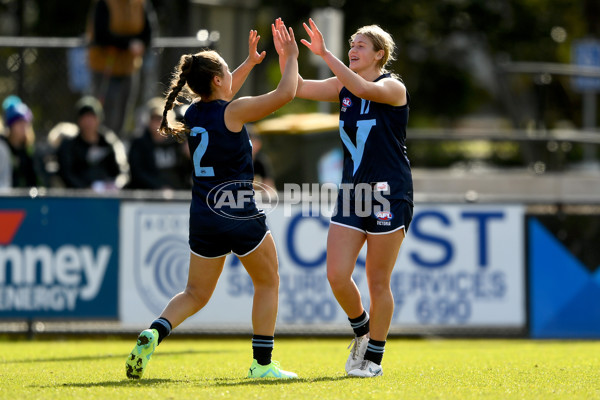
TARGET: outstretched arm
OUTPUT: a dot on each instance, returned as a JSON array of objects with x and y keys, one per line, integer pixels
[
  {"x": 238, "y": 77},
  {"x": 319, "y": 90},
  {"x": 248, "y": 109},
  {"x": 387, "y": 91}
]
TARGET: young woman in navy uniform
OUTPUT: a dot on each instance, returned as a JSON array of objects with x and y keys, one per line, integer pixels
[
  {"x": 375, "y": 201},
  {"x": 223, "y": 215}
]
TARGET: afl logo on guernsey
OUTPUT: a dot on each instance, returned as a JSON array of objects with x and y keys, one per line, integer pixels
[
  {"x": 346, "y": 102},
  {"x": 384, "y": 215}
]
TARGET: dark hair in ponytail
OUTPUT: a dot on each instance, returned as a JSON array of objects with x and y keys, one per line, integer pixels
[{"x": 197, "y": 71}]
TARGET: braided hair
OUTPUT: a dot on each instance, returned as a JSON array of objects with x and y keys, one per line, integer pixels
[{"x": 194, "y": 72}]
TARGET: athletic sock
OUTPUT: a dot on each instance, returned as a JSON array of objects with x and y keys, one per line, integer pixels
[
  {"x": 163, "y": 326},
  {"x": 262, "y": 347},
  {"x": 360, "y": 325},
  {"x": 375, "y": 350}
]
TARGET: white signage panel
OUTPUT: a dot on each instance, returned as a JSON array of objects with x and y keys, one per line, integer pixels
[{"x": 459, "y": 266}]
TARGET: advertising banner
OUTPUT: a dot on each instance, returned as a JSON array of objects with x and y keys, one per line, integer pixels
[
  {"x": 564, "y": 275},
  {"x": 58, "y": 258},
  {"x": 459, "y": 266},
  {"x": 462, "y": 265}
]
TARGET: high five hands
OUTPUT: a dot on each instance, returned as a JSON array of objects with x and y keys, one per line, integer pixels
[
  {"x": 316, "y": 44},
  {"x": 284, "y": 40}
]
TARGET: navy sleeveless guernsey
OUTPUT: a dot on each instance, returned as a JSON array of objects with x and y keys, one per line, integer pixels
[
  {"x": 373, "y": 136},
  {"x": 222, "y": 192}
]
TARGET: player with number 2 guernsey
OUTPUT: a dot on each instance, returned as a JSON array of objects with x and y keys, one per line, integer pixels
[{"x": 223, "y": 214}]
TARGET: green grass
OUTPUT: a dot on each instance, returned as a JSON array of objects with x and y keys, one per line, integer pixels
[{"x": 204, "y": 368}]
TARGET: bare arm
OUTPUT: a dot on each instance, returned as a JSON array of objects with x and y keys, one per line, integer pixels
[
  {"x": 238, "y": 77},
  {"x": 386, "y": 91},
  {"x": 249, "y": 109},
  {"x": 319, "y": 90}
]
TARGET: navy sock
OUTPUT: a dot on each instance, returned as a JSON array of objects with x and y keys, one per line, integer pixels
[
  {"x": 262, "y": 348},
  {"x": 375, "y": 350},
  {"x": 163, "y": 326},
  {"x": 360, "y": 325}
]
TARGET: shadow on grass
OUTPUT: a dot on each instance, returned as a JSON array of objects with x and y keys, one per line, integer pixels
[
  {"x": 121, "y": 383},
  {"x": 109, "y": 356},
  {"x": 274, "y": 381},
  {"x": 218, "y": 382}
]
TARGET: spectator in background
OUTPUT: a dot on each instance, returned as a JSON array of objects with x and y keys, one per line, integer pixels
[
  {"x": 157, "y": 161},
  {"x": 119, "y": 32},
  {"x": 95, "y": 157},
  {"x": 18, "y": 143}
]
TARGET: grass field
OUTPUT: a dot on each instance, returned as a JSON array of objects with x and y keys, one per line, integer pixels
[{"x": 204, "y": 368}]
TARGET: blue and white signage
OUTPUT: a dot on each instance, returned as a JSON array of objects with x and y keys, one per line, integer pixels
[
  {"x": 58, "y": 258},
  {"x": 155, "y": 262},
  {"x": 460, "y": 265},
  {"x": 586, "y": 53}
]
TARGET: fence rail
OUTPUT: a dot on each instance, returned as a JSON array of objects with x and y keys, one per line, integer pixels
[
  {"x": 519, "y": 135},
  {"x": 70, "y": 42},
  {"x": 551, "y": 68}
]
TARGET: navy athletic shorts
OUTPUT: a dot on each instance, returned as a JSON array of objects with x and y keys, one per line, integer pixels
[
  {"x": 241, "y": 241},
  {"x": 375, "y": 218}
]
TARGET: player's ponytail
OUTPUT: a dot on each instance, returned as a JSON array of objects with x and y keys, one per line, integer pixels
[
  {"x": 178, "y": 82},
  {"x": 197, "y": 71}
]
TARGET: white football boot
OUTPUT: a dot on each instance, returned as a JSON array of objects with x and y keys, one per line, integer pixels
[
  {"x": 367, "y": 369},
  {"x": 357, "y": 352}
]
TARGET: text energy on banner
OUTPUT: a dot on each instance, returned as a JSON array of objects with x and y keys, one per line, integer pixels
[{"x": 58, "y": 258}]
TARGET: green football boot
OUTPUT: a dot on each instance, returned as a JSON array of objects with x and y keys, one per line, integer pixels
[
  {"x": 269, "y": 371},
  {"x": 140, "y": 355}
]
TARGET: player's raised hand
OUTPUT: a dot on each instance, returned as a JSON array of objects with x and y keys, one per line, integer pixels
[
  {"x": 317, "y": 43},
  {"x": 284, "y": 41},
  {"x": 276, "y": 41},
  {"x": 253, "y": 55}
]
